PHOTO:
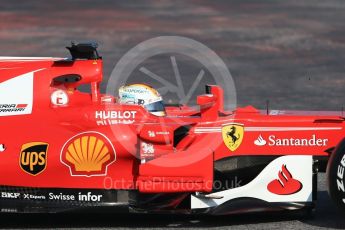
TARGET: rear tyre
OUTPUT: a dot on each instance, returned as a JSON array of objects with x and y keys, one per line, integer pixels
[{"x": 336, "y": 176}]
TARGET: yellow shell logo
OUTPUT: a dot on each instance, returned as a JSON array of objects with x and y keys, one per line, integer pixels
[
  {"x": 232, "y": 136},
  {"x": 88, "y": 154}
]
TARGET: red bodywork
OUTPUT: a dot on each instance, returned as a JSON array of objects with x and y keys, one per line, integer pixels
[{"x": 173, "y": 165}]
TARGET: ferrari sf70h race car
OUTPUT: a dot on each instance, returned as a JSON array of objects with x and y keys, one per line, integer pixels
[{"x": 62, "y": 149}]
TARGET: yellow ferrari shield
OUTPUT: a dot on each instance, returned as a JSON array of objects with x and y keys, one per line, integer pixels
[{"x": 232, "y": 135}]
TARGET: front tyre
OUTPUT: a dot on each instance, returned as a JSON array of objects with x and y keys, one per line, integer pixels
[{"x": 336, "y": 176}]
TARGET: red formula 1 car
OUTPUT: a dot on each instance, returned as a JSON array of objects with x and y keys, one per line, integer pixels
[{"x": 65, "y": 150}]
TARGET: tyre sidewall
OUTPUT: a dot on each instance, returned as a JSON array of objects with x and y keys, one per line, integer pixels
[{"x": 336, "y": 175}]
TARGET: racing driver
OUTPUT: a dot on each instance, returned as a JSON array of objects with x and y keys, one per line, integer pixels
[{"x": 144, "y": 95}]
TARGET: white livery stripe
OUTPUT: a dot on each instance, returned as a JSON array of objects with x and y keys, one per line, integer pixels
[
  {"x": 16, "y": 95},
  {"x": 290, "y": 128},
  {"x": 5, "y": 59},
  {"x": 265, "y": 129}
]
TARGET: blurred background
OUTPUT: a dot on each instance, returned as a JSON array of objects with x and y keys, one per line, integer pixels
[{"x": 288, "y": 52}]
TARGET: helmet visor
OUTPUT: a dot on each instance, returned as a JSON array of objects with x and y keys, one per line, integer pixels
[{"x": 154, "y": 107}]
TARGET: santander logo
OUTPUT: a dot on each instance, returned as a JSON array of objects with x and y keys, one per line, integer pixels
[
  {"x": 273, "y": 140},
  {"x": 260, "y": 141},
  {"x": 285, "y": 184}
]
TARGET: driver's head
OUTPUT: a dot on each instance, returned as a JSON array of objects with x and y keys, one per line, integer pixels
[{"x": 144, "y": 95}]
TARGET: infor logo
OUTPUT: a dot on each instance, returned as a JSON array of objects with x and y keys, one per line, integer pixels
[{"x": 33, "y": 157}]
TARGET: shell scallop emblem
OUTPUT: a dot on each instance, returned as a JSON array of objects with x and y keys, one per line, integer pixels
[{"x": 88, "y": 154}]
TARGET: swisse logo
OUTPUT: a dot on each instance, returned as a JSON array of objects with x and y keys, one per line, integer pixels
[
  {"x": 61, "y": 197},
  {"x": 33, "y": 157},
  {"x": 275, "y": 141}
]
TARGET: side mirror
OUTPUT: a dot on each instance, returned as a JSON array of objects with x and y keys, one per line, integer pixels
[
  {"x": 208, "y": 106},
  {"x": 206, "y": 100}
]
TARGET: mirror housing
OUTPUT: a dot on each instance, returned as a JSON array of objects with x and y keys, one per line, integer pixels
[
  {"x": 208, "y": 106},
  {"x": 211, "y": 103}
]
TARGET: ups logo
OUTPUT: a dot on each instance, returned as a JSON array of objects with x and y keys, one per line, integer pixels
[{"x": 33, "y": 157}]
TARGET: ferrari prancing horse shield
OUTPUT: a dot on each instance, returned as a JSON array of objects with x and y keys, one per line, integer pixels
[{"x": 232, "y": 135}]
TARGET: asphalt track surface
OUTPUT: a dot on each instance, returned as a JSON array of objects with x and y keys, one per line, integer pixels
[{"x": 288, "y": 52}]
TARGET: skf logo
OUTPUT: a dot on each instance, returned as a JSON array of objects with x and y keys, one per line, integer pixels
[
  {"x": 33, "y": 157},
  {"x": 285, "y": 184},
  {"x": 88, "y": 154},
  {"x": 233, "y": 135}
]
